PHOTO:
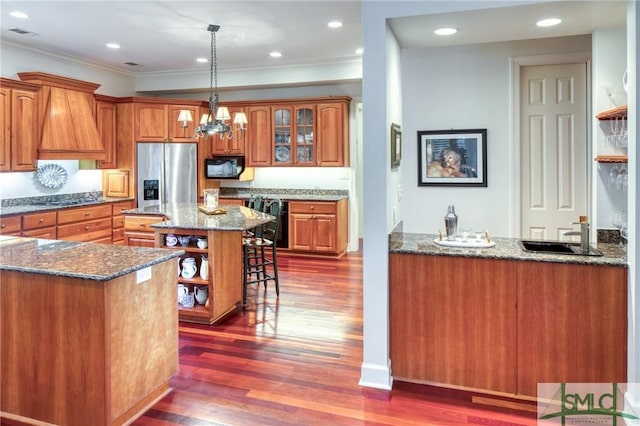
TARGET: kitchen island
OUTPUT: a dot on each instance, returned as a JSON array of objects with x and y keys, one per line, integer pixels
[
  {"x": 88, "y": 332},
  {"x": 221, "y": 274},
  {"x": 501, "y": 320}
]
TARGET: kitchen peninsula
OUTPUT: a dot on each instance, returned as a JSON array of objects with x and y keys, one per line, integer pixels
[
  {"x": 223, "y": 233},
  {"x": 501, "y": 320},
  {"x": 88, "y": 332}
]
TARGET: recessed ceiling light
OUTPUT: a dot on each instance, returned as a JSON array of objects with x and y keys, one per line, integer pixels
[
  {"x": 113, "y": 45},
  {"x": 446, "y": 31},
  {"x": 202, "y": 60},
  {"x": 18, "y": 14},
  {"x": 548, "y": 22},
  {"x": 334, "y": 24},
  {"x": 275, "y": 54},
  {"x": 359, "y": 51}
]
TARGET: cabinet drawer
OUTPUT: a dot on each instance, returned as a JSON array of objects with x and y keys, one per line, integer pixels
[
  {"x": 117, "y": 234},
  {"x": 38, "y": 220},
  {"x": 141, "y": 223},
  {"x": 10, "y": 224},
  {"x": 84, "y": 213},
  {"x": 86, "y": 231},
  {"x": 123, "y": 205},
  {"x": 118, "y": 221},
  {"x": 48, "y": 233},
  {"x": 310, "y": 207}
]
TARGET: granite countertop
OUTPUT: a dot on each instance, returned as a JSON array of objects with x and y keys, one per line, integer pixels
[
  {"x": 93, "y": 261},
  {"x": 41, "y": 206},
  {"x": 286, "y": 194},
  {"x": 187, "y": 216},
  {"x": 505, "y": 248}
]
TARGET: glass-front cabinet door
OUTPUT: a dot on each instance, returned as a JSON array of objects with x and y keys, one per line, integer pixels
[
  {"x": 305, "y": 147},
  {"x": 293, "y": 132},
  {"x": 282, "y": 130}
]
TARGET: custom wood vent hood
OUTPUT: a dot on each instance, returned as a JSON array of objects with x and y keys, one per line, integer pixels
[{"x": 68, "y": 129}]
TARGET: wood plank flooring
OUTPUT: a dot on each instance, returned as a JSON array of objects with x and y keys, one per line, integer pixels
[{"x": 296, "y": 361}]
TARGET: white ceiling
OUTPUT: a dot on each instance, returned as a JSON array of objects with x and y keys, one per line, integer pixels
[{"x": 167, "y": 36}]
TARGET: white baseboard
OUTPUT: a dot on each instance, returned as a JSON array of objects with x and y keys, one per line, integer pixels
[
  {"x": 632, "y": 406},
  {"x": 376, "y": 376}
]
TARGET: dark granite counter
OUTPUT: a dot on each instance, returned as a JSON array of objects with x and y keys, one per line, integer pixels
[
  {"x": 187, "y": 216},
  {"x": 285, "y": 194},
  {"x": 505, "y": 248},
  {"x": 48, "y": 205},
  {"x": 100, "y": 262}
]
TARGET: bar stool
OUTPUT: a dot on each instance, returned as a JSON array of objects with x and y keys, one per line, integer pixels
[{"x": 259, "y": 251}]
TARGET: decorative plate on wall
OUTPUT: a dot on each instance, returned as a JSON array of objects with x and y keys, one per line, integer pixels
[{"x": 52, "y": 175}]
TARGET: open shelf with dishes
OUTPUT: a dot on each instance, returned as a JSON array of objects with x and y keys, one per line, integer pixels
[{"x": 208, "y": 287}]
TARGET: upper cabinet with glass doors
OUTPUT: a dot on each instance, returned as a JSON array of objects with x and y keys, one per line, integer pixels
[{"x": 293, "y": 133}]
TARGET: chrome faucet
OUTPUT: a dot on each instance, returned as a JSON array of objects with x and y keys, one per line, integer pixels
[{"x": 583, "y": 233}]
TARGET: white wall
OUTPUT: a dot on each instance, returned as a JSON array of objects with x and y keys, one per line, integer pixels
[
  {"x": 466, "y": 87},
  {"x": 25, "y": 184},
  {"x": 16, "y": 59},
  {"x": 609, "y": 64}
]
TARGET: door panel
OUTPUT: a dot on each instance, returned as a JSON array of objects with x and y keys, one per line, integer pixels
[{"x": 553, "y": 149}]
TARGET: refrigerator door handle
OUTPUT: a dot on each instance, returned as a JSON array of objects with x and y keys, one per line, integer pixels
[{"x": 163, "y": 177}]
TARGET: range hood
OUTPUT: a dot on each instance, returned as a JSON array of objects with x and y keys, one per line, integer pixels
[{"x": 68, "y": 129}]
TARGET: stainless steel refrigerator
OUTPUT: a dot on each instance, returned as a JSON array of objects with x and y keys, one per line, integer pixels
[{"x": 167, "y": 173}]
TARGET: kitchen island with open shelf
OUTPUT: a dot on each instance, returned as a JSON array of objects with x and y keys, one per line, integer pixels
[
  {"x": 88, "y": 332},
  {"x": 223, "y": 253}
]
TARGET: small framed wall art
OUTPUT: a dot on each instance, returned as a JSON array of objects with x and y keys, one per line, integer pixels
[
  {"x": 396, "y": 145},
  {"x": 452, "y": 157}
]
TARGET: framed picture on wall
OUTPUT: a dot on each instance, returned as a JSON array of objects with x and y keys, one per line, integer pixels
[
  {"x": 396, "y": 145},
  {"x": 452, "y": 157}
]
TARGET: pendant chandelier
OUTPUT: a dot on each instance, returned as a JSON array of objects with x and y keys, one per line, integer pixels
[{"x": 214, "y": 122}]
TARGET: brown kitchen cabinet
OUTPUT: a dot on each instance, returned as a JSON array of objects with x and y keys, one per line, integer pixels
[
  {"x": 332, "y": 131},
  {"x": 319, "y": 227},
  {"x": 19, "y": 137},
  {"x": 40, "y": 225},
  {"x": 504, "y": 325},
  {"x": 224, "y": 281},
  {"x": 106, "y": 120},
  {"x": 259, "y": 139},
  {"x": 453, "y": 321},
  {"x": 117, "y": 220},
  {"x": 572, "y": 324},
  {"x": 87, "y": 224},
  {"x": 11, "y": 225},
  {"x": 234, "y": 145},
  {"x": 293, "y": 135},
  {"x": 158, "y": 122},
  {"x": 138, "y": 230}
]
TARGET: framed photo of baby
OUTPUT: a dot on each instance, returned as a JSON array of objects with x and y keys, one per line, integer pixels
[{"x": 452, "y": 157}]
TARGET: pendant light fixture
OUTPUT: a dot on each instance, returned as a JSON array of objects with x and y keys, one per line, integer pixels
[{"x": 215, "y": 120}]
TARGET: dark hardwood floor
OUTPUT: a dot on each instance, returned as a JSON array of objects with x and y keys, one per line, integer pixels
[{"x": 296, "y": 361}]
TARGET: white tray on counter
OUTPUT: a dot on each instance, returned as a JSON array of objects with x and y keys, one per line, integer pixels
[{"x": 465, "y": 244}]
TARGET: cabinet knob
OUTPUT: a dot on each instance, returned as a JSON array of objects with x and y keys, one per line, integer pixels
[
  {"x": 87, "y": 214},
  {"x": 41, "y": 220},
  {"x": 313, "y": 207},
  {"x": 3, "y": 226},
  {"x": 87, "y": 228}
]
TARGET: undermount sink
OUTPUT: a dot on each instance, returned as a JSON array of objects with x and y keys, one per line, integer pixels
[{"x": 556, "y": 247}]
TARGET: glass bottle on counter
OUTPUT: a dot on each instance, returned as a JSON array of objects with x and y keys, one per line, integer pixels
[{"x": 451, "y": 223}]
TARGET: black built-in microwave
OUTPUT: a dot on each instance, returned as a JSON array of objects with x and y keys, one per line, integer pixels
[{"x": 223, "y": 167}]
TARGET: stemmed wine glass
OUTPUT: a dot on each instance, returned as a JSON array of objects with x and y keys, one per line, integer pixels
[{"x": 620, "y": 222}]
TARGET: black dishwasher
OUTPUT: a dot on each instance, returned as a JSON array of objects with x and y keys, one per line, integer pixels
[{"x": 283, "y": 231}]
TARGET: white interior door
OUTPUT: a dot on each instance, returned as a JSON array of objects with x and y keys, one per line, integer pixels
[{"x": 553, "y": 138}]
